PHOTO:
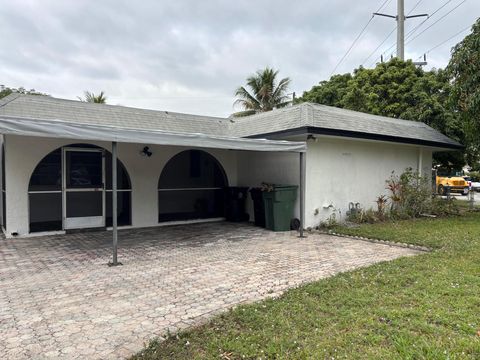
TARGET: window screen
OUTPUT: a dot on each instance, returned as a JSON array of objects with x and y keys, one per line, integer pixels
[
  {"x": 48, "y": 173},
  {"x": 191, "y": 186}
]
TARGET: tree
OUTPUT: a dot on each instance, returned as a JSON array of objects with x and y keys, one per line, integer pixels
[
  {"x": 264, "y": 95},
  {"x": 5, "y": 91},
  {"x": 464, "y": 73},
  {"x": 397, "y": 89},
  {"x": 92, "y": 98},
  {"x": 328, "y": 92}
]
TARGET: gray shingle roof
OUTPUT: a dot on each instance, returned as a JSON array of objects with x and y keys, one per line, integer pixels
[
  {"x": 335, "y": 121},
  {"x": 49, "y": 108},
  {"x": 306, "y": 116}
]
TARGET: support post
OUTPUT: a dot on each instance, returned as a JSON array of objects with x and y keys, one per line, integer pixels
[
  {"x": 114, "y": 205},
  {"x": 401, "y": 29},
  {"x": 302, "y": 194}
]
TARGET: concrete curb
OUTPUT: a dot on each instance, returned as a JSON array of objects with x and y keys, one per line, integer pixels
[{"x": 378, "y": 241}]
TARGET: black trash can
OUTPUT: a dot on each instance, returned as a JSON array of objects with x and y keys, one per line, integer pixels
[
  {"x": 235, "y": 198},
  {"x": 258, "y": 206}
]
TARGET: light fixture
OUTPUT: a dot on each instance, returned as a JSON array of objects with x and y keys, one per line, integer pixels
[{"x": 146, "y": 152}]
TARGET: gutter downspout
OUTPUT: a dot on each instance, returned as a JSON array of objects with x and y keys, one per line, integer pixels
[{"x": 420, "y": 162}]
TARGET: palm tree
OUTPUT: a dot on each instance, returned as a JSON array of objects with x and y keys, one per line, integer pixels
[
  {"x": 265, "y": 93},
  {"x": 92, "y": 98}
]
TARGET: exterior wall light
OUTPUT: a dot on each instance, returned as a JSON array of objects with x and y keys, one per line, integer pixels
[{"x": 146, "y": 152}]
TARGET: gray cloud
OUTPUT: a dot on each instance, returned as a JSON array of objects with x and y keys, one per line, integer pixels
[{"x": 190, "y": 56}]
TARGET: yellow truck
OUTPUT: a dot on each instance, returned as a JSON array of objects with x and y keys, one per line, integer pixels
[{"x": 455, "y": 183}]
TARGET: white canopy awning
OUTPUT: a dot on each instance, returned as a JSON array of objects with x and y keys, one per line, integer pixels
[{"x": 67, "y": 130}]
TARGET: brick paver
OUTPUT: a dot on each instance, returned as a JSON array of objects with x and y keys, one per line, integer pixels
[{"x": 58, "y": 299}]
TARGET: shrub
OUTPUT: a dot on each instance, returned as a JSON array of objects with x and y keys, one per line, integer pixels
[
  {"x": 382, "y": 202},
  {"x": 444, "y": 207},
  {"x": 410, "y": 194},
  {"x": 331, "y": 221}
]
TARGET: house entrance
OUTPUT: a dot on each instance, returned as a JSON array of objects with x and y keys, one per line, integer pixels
[
  {"x": 71, "y": 188},
  {"x": 84, "y": 189}
]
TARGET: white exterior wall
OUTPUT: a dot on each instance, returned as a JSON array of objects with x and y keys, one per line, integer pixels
[
  {"x": 342, "y": 171},
  {"x": 24, "y": 153},
  {"x": 338, "y": 171}
]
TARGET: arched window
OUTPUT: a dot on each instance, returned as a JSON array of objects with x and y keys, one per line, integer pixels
[
  {"x": 47, "y": 196},
  {"x": 191, "y": 186}
]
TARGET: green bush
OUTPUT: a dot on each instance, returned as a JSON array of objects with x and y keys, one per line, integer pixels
[
  {"x": 330, "y": 222},
  {"x": 409, "y": 196},
  {"x": 444, "y": 207},
  {"x": 368, "y": 216}
]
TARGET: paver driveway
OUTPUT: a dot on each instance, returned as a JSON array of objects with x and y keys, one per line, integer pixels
[{"x": 59, "y": 299}]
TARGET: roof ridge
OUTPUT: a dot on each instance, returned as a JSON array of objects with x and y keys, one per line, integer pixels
[
  {"x": 112, "y": 106},
  {"x": 270, "y": 112},
  {"x": 379, "y": 117}
]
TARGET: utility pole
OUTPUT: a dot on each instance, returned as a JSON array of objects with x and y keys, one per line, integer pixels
[
  {"x": 401, "y": 29},
  {"x": 294, "y": 97},
  {"x": 400, "y": 18}
]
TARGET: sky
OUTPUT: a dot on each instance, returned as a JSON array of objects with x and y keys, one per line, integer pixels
[{"x": 189, "y": 56}]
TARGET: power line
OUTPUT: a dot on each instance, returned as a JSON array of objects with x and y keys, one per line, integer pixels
[
  {"x": 411, "y": 32},
  {"x": 385, "y": 3},
  {"x": 378, "y": 47},
  {"x": 445, "y": 41},
  {"x": 443, "y": 17},
  {"x": 400, "y": 19},
  {"x": 414, "y": 7},
  {"x": 351, "y": 46},
  {"x": 358, "y": 37},
  {"x": 388, "y": 36}
]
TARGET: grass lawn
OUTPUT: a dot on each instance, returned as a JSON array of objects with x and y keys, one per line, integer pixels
[{"x": 422, "y": 307}]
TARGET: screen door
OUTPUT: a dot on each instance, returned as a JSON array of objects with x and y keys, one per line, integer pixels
[{"x": 84, "y": 190}]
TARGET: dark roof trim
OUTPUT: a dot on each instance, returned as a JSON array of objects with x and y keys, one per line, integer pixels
[{"x": 305, "y": 130}]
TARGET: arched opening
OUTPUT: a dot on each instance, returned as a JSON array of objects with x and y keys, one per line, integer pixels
[
  {"x": 191, "y": 186},
  {"x": 74, "y": 183}
]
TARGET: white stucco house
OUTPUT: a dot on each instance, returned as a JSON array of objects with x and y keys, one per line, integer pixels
[{"x": 57, "y": 161}]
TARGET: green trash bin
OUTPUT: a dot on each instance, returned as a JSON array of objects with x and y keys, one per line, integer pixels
[{"x": 279, "y": 204}]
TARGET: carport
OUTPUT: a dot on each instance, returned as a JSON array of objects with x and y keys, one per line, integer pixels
[{"x": 58, "y": 129}]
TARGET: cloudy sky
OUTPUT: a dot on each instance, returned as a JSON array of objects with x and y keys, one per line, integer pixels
[{"x": 189, "y": 55}]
